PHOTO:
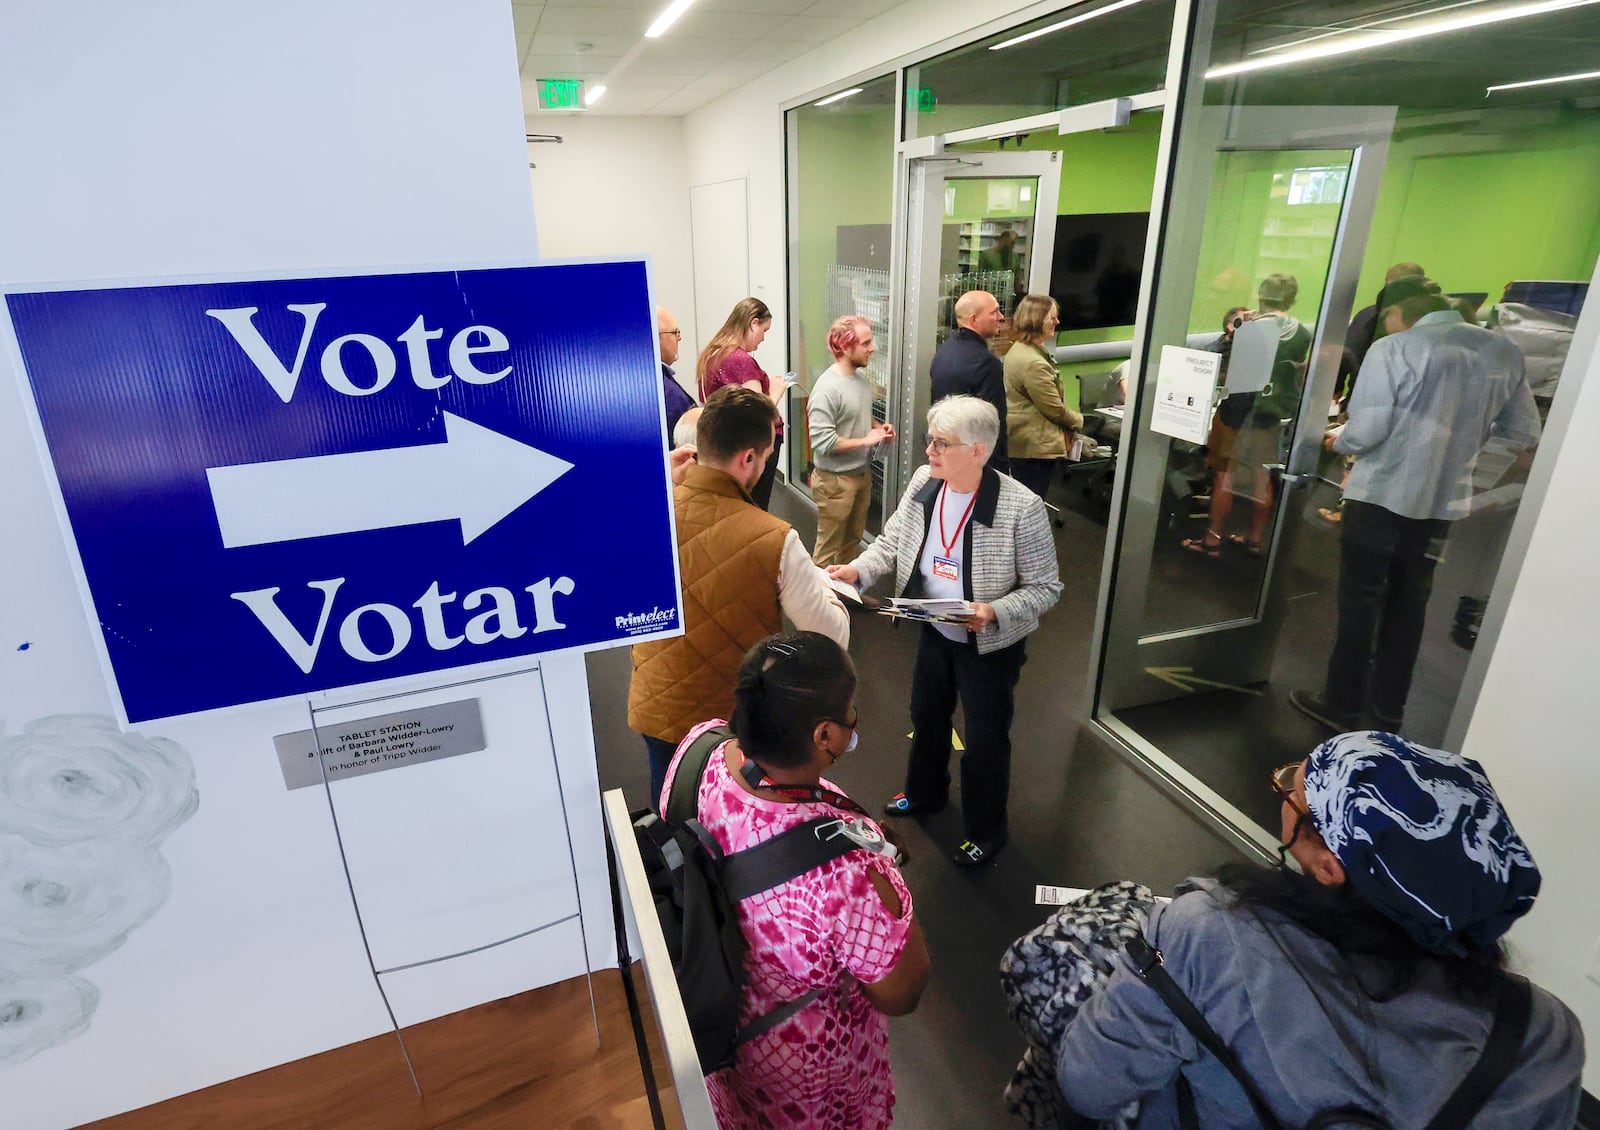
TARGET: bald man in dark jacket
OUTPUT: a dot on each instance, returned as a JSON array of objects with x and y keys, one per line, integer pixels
[{"x": 965, "y": 364}]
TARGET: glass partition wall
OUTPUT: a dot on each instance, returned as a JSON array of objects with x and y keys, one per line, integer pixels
[
  {"x": 1314, "y": 155},
  {"x": 841, "y": 192},
  {"x": 1201, "y": 157}
]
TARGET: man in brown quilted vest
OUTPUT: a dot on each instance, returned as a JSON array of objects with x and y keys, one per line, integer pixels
[{"x": 743, "y": 571}]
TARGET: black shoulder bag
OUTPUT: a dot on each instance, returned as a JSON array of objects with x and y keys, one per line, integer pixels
[{"x": 1513, "y": 1007}]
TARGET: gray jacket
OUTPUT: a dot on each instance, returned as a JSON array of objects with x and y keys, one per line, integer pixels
[
  {"x": 1010, "y": 553},
  {"x": 1290, "y": 1007}
]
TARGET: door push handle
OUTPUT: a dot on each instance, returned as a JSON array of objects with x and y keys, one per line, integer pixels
[{"x": 1286, "y": 475}]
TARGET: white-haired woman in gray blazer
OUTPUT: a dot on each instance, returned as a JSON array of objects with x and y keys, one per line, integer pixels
[{"x": 964, "y": 530}]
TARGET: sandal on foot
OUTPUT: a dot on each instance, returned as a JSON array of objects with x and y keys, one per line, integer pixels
[
  {"x": 1253, "y": 548},
  {"x": 1210, "y": 545}
]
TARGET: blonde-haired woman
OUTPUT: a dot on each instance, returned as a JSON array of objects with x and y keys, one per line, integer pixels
[
  {"x": 726, "y": 360},
  {"x": 1039, "y": 425}
]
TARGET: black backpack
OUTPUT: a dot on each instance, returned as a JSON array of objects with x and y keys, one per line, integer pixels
[{"x": 696, "y": 887}]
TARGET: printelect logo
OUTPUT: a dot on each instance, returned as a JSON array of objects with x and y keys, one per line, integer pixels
[{"x": 635, "y": 622}]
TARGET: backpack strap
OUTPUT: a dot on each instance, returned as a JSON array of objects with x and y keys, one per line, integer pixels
[
  {"x": 784, "y": 856},
  {"x": 1148, "y": 965},
  {"x": 1513, "y": 1009},
  {"x": 760, "y": 868},
  {"x": 682, "y": 802},
  {"x": 765, "y": 1023}
]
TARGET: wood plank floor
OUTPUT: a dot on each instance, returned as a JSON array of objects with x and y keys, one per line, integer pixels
[{"x": 525, "y": 1061}]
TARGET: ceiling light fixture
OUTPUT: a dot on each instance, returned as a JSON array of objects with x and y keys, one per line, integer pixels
[
  {"x": 593, "y": 95},
  {"x": 1107, "y": 10},
  {"x": 1541, "y": 82},
  {"x": 1367, "y": 41},
  {"x": 840, "y": 97},
  {"x": 667, "y": 18}
]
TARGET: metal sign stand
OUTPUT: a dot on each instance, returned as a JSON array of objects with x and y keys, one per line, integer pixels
[{"x": 355, "y": 901}]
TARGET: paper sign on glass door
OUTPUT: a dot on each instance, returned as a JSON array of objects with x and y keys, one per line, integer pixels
[{"x": 1185, "y": 383}]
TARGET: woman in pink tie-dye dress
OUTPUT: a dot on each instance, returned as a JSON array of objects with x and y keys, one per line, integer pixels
[{"x": 845, "y": 927}]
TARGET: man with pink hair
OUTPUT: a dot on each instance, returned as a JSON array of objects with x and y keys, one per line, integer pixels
[{"x": 843, "y": 434}]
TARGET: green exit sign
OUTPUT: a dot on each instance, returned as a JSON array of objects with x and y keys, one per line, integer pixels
[
  {"x": 561, "y": 94},
  {"x": 920, "y": 99}
]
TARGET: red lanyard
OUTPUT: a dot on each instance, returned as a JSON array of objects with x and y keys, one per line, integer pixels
[{"x": 950, "y": 543}]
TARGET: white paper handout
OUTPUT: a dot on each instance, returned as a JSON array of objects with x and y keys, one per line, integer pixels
[{"x": 939, "y": 609}]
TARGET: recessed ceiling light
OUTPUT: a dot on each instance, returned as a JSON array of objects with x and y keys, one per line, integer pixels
[
  {"x": 667, "y": 18},
  {"x": 1541, "y": 82},
  {"x": 841, "y": 96},
  {"x": 1366, "y": 41}
]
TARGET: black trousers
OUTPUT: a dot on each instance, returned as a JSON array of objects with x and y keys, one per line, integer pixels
[
  {"x": 986, "y": 686},
  {"x": 762, "y": 494},
  {"x": 1035, "y": 474},
  {"x": 1386, "y": 567}
]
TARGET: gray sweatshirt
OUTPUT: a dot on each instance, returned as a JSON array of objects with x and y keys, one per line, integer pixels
[{"x": 840, "y": 407}]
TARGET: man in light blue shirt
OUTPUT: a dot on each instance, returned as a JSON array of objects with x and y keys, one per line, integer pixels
[{"x": 1427, "y": 400}]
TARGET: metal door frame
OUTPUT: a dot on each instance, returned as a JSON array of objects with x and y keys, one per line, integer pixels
[
  {"x": 923, "y": 165},
  {"x": 913, "y": 346}
]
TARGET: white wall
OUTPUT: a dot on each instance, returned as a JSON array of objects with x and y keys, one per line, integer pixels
[
  {"x": 1532, "y": 729},
  {"x": 619, "y": 186},
  {"x": 187, "y": 137}
]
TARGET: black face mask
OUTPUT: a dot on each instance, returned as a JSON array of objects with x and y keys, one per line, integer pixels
[{"x": 1283, "y": 849}]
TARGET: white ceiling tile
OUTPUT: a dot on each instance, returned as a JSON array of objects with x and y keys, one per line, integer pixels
[
  {"x": 566, "y": 43},
  {"x": 707, "y": 52},
  {"x": 742, "y": 70},
  {"x": 761, "y": 7},
  {"x": 777, "y": 48},
  {"x": 655, "y": 64},
  {"x": 816, "y": 29},
  {"x": 588, "y": 22},
  {"x": 565, "y": 66},
  {"x": 651, "y": 6},
  {"x": 525, "y": 17},
  {"x": 855, "y": 9},
  {"x": 732, "y": 27}
]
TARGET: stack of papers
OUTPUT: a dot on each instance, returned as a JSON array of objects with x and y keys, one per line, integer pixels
[
  {"x": 932, "y": 609},
  {"x": 935, "y": 610}
]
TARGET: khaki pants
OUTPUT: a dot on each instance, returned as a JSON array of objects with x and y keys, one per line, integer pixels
[{"x": 842, "y": 502}]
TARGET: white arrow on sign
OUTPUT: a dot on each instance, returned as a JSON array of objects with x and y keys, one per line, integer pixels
[{"x": 477, "y": 476}]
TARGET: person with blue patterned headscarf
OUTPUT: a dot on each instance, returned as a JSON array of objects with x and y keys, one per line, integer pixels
[{"x": 1368, "y": 977}]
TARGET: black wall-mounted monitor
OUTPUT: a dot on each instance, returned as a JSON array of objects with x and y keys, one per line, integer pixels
[{"x": 1094, "y": 276}]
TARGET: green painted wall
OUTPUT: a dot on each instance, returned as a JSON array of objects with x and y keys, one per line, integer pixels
[
  {"x": 1478, "y": 207},
  {"x": 1477, "y": 204},
  {"x": 845, "y": 176}
]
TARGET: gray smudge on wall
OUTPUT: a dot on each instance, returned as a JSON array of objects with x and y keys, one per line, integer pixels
[{"x": 84, "y": 808}]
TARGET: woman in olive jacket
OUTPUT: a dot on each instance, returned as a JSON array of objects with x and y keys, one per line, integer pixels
[{"x": 1039, "y": 425}]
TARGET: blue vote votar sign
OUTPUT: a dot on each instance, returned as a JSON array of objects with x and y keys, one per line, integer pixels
[{"x": 285, "y": 486}]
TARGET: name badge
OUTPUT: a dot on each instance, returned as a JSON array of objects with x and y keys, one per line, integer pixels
[{"x": 946, "y": 569}]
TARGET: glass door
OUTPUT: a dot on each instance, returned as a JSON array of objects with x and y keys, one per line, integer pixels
[
  {"x": 1260, "y": 265},
  {"x": 977, "y": 221}
]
